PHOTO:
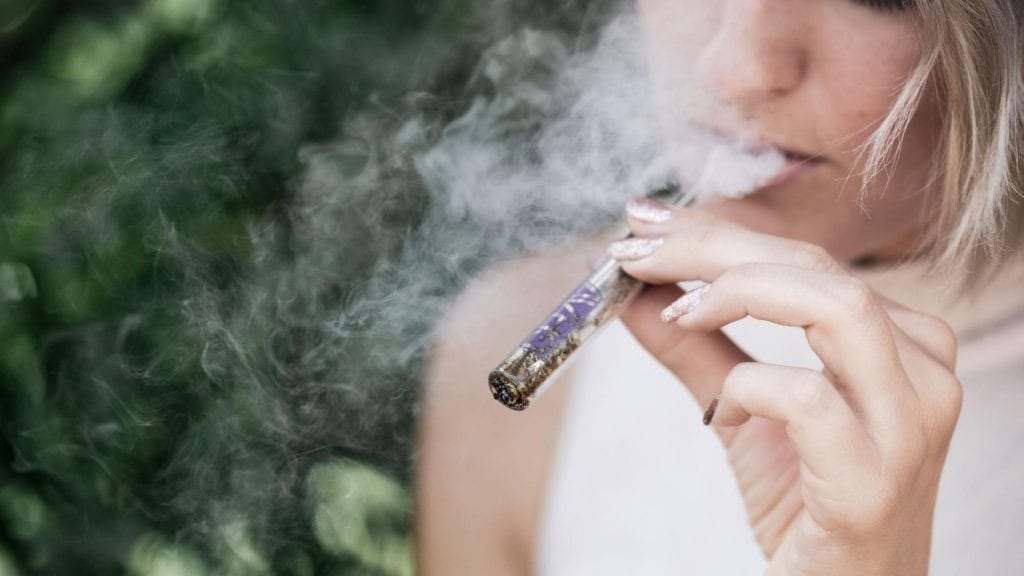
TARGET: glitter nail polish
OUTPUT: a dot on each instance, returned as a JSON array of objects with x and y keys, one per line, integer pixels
[
  {"x": 634, "y": 248},
  {"x": 647, "y": 210},
  {"x": 685, "y": 304}
]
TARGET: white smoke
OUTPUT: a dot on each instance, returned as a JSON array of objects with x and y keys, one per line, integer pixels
[
  {"x": 733, "y": 171},
  {"x": 600, "y": 143},
  {"x": 322, "y": 342}
]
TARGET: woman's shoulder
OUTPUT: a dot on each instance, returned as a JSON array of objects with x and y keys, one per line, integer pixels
[{"x": 483, "y": 468}]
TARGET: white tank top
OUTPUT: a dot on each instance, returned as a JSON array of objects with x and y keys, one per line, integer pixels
[{"x": 640, "y": 486}]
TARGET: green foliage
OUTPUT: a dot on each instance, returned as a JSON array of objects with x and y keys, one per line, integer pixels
[{"x": 171, "y": 399}]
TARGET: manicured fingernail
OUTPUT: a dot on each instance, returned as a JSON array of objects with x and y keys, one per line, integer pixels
[
  {"x": 634, "y": 248},
  {"x": 685, "y": 304},
  {"x": 647, "y": 210},
  {"x": 710, "y": 413}
]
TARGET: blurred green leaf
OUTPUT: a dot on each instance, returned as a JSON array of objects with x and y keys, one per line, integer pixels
[
  {"x": 7, "y": 564},
  {"x": 23, "y": 511},
  {"x": 359, "y": 512},
  {"x": 153, "y": 556},
  {"x": 20, "y": 360},
  {"x": 97, "y": 59},
  {"x": 16, "y": 282},
  {"x": 181, "y": 16}
]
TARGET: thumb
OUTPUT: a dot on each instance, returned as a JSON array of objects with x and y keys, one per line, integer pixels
[{"x": 700, "y": 360}]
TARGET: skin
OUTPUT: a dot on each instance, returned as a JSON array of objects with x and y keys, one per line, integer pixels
[
  {"x": 481, "y": 467},
  {"x": 839, "y": 469},
  {"x": 814, "y": 76},
  {"x": 863, "y": 441}
]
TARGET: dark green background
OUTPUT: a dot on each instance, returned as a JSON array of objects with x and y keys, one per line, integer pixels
[{"x": 166, "y": 402}]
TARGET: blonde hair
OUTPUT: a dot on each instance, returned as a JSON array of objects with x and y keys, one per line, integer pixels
[{"x": 974, "y": 56}]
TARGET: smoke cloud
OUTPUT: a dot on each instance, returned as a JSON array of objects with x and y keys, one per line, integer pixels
[
  {"x": 552, "y": 143},
  {"x": 306, "y": 344}
]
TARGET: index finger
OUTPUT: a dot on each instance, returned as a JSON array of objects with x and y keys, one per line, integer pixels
[{"x": 698, "y": 246}]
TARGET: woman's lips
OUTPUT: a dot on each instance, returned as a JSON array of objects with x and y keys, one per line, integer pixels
[
  {"x": 795, "y": 166},
  {"x": 736, "y": 166}
]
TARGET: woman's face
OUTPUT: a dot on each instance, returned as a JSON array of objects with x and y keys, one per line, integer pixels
[{"x": 812, "y": 78}]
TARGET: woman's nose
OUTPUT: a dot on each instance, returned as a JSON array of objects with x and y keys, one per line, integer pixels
[{"x": 757, "y": 53}]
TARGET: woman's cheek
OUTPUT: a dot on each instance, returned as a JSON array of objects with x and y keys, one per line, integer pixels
[{"x": 863, "y": 64}]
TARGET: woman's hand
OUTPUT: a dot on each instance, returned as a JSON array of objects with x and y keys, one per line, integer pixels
[{"x": 840, "y": 468}]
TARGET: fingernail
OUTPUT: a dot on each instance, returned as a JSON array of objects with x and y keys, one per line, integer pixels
[
  {"x": 647, "y": 210},
  {"x": 634, "y": 248},
  {"x": 685, "y": 304},
  {"x": 710, "y": 413}
]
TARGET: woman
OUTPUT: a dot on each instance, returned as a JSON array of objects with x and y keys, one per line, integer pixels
[{"x": 901, "y": 123}]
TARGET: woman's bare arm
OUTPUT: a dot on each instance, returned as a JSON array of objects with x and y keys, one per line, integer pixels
[{"x": 482, "y": 468}]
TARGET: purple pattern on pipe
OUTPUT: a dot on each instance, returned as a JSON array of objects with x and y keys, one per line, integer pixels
[{"x": 567, "y": 318}]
